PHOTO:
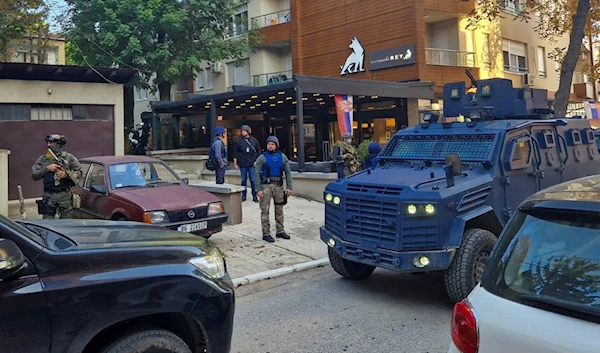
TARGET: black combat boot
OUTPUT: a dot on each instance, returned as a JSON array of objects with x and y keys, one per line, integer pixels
[
  {"x": 282, "y": 235},
  {"x": 268, "y": 238},
  {"x": 243, "y": 198}
]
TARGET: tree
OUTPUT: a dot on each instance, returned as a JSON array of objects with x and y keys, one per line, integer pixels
[
  {"x": 16, "y": 17},
  {"x": 557, "y": 18},
  {"x": 169, "y": 38}
]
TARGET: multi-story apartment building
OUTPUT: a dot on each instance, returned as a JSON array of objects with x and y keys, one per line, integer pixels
[
  {"x": 48, "y": 49},
  {"x": 401, "y": 41}
]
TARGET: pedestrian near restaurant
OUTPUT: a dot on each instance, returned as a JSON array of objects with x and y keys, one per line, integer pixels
[
  {"x": 246, "y": 150},
  {"x": 218, "y": 151},
  {"x": 269, "y": 168},
  {"x": 60, "y": 171}
]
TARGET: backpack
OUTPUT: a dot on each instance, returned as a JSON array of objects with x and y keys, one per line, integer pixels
[{"x": 212, "y": 163}]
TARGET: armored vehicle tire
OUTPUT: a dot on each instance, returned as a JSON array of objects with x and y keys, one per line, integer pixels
[
  {"x": 469, "y": 262},
  {"x": 148, "y": 341},
  {"x": 349, "y": 269}
]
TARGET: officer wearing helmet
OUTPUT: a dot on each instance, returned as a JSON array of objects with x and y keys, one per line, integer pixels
[
  {"x": 246, "y": 150},
  {"x": 218, "y": 153},
  {"x": 269, "y": 168},
  {"x": 60, "y": 171},
  {"x": 348, "y": 155}
]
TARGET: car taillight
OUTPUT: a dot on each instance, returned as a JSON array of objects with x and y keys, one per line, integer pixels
[{"x": 464, "y": 328}]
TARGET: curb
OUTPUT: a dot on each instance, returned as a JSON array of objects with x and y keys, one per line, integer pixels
[{"x": 240, "y": 281}]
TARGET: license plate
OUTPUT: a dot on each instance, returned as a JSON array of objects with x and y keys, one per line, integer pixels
[{"x": 192, "y": 227}]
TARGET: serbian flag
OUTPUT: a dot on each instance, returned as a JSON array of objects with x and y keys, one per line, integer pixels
[
  {"x": 344, "y": 109},
  {"x": 592, "y": 110}
]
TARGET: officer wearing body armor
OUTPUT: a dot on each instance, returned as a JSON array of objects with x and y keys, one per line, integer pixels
[
  {"x": 348, "y": 155},
  {"x": 60, "y": 171},
  {"x": 269, "y": 168}
]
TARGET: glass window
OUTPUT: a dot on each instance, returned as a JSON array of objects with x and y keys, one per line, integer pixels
[
  {"x": 551, "y": 260},
  {"x": 140, "y": 174},
  {"x": 96, "y": 178},
  {"x": 541, "y": 54},
  {"x": 85, "y": 167}
]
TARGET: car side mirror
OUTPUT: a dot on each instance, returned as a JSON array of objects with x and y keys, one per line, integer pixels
[
  {"x": 186, "y": 181},
  {"x": 99, "y": 189},
  {"x": 11, "y": 258}
]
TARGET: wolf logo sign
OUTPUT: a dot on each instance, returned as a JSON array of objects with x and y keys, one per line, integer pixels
[{"x": 356, "y": 59}]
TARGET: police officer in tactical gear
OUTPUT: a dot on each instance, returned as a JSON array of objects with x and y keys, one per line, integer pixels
[
  {"x": 269, "y": 168},
  {"x": 60, "y": 171},
  {"x": 351, "y": 163}
]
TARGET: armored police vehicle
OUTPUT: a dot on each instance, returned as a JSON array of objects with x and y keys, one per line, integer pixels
[{"x": 442, "y": 190}]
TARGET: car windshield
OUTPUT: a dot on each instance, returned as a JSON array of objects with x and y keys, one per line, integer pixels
[
  {"x": 140, "y": 174},
  {"x": 549, "y": 258},
  {"x": 435, "y": 147}
]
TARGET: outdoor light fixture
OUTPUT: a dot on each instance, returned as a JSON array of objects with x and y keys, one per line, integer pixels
[
  {"x": 281, "y": 92},
  {"x": 374, "y": 97},
  {"x": 254, "y": 97},
  {"x": 279, "y": 102},
  {"x": 230, "y": 100},
  {"x": 288, "y": 98},
  {"x": 316, "y": 94},
  {"x": 304, "y": 98},
  {"x": 258, "y": 104},
  {"x": 265, "y": 101},
  {"x": 272, "y": 97},
  {"x": 272, "y": 105}
]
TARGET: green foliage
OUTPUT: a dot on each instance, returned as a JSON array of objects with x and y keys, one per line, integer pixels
[
  {"x": 169, "y": 38},
  {"x": 362, "y": 150},
  {"x": 16, "y": 17}
]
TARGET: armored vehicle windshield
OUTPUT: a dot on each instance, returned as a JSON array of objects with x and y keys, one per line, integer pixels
[{"x": 471, "y": 147}]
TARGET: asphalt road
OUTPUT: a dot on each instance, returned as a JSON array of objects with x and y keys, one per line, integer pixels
[{"x": 317, "y": 311}]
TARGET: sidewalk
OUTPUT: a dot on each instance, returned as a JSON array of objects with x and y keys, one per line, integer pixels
[{"x": 247, "y": 254}]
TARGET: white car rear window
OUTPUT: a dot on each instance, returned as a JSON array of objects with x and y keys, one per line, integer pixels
[{"x": 550, "y": 258}]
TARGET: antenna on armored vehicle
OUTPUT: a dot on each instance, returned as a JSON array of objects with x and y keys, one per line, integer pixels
[
  {"x": 453, "y": 167},
  {"x": 472, "y": 78}
]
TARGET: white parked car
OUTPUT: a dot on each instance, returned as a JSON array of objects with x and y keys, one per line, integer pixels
[{"x": 540, "y": 292}]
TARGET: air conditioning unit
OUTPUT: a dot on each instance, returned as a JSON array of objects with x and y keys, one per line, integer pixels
[
  {"x": 527, "y": 79},
  {"x": 217, "y": 67}
]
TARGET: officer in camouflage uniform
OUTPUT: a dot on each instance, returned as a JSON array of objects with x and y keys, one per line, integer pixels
[
  {"x": 351, "y": 163},
  {"x": 57, "y": 195},
  {"x": 268, "y": 181}
]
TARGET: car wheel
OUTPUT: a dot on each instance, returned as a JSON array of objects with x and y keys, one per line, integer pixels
[
  {"x": 148, "y": 341},
  {"x": 468, "y": 264},
  {"x": 349, "y": 269}
]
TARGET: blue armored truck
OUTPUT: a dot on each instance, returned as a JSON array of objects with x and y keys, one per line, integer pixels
[{"x": 442, "y": 191}]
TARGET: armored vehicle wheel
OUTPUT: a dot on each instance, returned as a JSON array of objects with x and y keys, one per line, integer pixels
[
  {"x": 468, "y": 264},
  {"x": 349, "y": 269}
]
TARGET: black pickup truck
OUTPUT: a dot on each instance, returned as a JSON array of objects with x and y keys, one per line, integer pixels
[{"x": 88, "y": 286}]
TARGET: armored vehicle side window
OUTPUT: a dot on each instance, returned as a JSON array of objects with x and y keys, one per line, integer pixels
[
  {"x": 519, "y": 153},
  {"x": 470, "y": 147}
]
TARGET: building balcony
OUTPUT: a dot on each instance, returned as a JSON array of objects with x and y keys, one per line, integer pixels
[
  {"x": 271, "y": 19},
  {"x": 179, "y": 95},
  {"x": 275, "y": 28},
  {"x": 271, "y": 78},
  {"x": 584, "y": 90},
  {"x": 449, "y": 57}
]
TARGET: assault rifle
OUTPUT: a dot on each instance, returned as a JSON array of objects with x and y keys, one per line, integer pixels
[{"x": 63, "y": 167}]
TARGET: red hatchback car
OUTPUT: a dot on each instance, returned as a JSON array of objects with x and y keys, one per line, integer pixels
[{"x": 144, "y": 189}]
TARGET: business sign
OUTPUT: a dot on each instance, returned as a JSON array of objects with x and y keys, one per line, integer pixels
[
  {"x": 356, "y": 60},
  {"x": 398, "y": 56}
]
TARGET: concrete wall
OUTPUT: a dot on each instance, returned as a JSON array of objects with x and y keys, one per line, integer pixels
[
  {"x": 4, "y": 182},
  {"x": 36, "y": 92}
]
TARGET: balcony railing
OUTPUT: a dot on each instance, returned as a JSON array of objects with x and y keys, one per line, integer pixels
[
  {"x": 179, "y": 95},
  {"x": 449, "y": 57},
  {"x": 271, "y": 78},
  {"x": 271, "y": 19}
]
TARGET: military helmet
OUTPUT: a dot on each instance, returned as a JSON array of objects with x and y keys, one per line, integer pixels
[
  {"x": 273, "y": 139},
  {"x": 245, "y": 127},
  {"x": 347, "y": 135},
  {"x": 57, "y": 138}
]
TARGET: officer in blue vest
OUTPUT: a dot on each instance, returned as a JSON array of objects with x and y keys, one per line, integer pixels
[
  {"x": 269, "y": 168},
  {"x": 218, "y": 151}
]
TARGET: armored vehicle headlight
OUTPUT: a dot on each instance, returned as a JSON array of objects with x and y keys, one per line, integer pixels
[
  {"x": 411, "y": 209},
  {"x": 212, "y": 264},
  {"x": 421, "y": 261},
  {"x": 429, "y": 209},
  {"x": 328, "y": 197},
  {"x": 331, "y": 242},
  {"x": 337, "y": 200}
]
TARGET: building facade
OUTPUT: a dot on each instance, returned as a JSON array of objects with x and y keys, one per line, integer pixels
[{"x": 384, "y": 40}]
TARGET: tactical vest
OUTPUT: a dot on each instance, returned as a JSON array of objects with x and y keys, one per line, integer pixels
[
  {"x": 48, "y": 179},
  {"x": 273, "y": 166}
]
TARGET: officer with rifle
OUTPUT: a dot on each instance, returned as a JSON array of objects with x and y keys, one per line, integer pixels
[
  {"x": 60, "y": 171},
  {"x": 348, "y": 155}
]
